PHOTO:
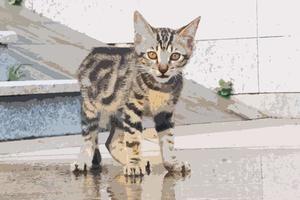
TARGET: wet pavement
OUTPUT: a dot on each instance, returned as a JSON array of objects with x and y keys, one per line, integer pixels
[{"x": 226, "y": 174}]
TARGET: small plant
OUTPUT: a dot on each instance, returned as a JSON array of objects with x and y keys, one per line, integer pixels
[
  {"x": 225, "y": 89},
  {"x": 15, "y": 72},
  {"x": 15, "y": 2}
]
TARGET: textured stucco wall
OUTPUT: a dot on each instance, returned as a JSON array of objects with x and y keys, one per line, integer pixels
[
  {"x": 253, "y": 43},
  {"x": 39, "y": 115}
]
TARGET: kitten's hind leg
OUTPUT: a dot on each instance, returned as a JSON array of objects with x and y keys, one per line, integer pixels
[
  {"x": 117, "y": 148},
  {"x": 124, "y": 142},
  {"x": 89, "y": 153},
  {"x": 132, "y": 127}
]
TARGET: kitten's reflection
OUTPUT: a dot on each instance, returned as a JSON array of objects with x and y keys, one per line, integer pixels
[
  {"x": 155, "y": 186},
  {"x": 109, "y": 185}
]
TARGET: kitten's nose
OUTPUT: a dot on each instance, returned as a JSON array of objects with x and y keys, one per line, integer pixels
[{"x": 163, "y": 68}]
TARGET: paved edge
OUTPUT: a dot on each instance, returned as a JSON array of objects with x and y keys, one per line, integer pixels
[
  {"x": 12, "y": 88},
  {"x": 275, "y": 134}
]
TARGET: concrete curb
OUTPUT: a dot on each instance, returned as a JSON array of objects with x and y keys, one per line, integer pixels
[
  {"x": 11, "y": 88},
  {"x": 68, "y": 153},
  {"x": 259, "y": 134}
]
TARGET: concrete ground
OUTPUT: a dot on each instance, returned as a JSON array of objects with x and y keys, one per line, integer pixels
[{"x": 257, "y": 160}]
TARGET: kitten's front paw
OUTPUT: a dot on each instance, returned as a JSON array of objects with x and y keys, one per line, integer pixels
[
  {"x": 133, "y": 169},
  {"x": 84, "y": 161},
  {"x": 178, "y": 167},
  {"x": 78, "y": 166}
]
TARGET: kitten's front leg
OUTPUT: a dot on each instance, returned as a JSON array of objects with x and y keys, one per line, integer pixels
[
  {"x": 132, "y": 125},
  {"x": 163, "y": 125}
]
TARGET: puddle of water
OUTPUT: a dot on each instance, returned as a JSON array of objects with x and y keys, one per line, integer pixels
[{"x": 214, "y": 176}]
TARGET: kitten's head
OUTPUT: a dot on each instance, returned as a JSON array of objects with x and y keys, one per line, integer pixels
[{"x": 163, "y": 52}]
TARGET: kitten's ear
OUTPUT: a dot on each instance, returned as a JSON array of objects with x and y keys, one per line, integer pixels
[
  {"x": 141, "y": 27},
  {"x": 190, "y": 29}
]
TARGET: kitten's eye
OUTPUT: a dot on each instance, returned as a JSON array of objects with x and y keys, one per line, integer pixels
[
  {"x": 152, "y": 55},
  {"x": 175, "y": 56}
]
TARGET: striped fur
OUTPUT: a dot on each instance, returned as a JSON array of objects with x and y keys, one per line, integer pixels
[{"x": 120, "y": 85}]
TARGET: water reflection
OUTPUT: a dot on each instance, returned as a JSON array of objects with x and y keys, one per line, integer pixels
[{"x": 111, "y": 184}]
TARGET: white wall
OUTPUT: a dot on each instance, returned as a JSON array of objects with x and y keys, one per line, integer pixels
[
  {"x": 254, "y": 43},
  {"x": 279, "y": 58}
]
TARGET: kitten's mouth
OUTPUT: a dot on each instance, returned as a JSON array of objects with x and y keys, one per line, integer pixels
[{"x": 163, "y": 76}]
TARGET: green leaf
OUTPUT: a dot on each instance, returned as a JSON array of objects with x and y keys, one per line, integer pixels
[
  {"x": 221, "y": 82},
  {"x": 15, "y": 73},
  {"x": 15, "y": 2},
  {"x": 225, "y": 89}
]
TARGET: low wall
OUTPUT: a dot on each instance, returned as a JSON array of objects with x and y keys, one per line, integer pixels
[
  {"x": 42, "y": 115},
  {"x": 39, "y": 108}
]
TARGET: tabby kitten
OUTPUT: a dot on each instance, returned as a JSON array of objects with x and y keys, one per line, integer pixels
[{"x": 121, "y": 85}]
